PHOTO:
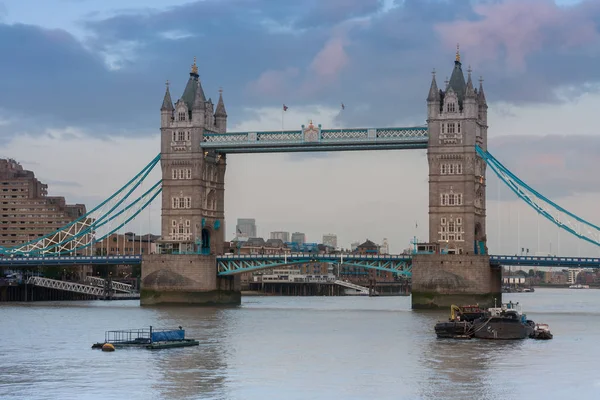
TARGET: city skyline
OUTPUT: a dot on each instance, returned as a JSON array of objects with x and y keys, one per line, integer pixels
[{"x": 541, "y": 120}]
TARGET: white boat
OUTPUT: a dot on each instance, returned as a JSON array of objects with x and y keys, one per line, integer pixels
[{"x": 579, "y": 286}]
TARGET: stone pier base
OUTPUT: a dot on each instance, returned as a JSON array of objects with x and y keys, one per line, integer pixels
[
  {"x": 440, "y": 280},
  {"x": 186, "y": 279}
]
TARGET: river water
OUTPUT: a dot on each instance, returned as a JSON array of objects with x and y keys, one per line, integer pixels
[{"x": 298, "y": 348}]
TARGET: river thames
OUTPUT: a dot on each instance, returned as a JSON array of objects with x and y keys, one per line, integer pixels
[{"x": 298, "y": 348}]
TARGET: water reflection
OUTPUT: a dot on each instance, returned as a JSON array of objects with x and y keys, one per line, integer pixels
[
  {"x": 296, "y": 348},
  {"x": 460, "y": 369},
  {"x": 196, "y": 372}
]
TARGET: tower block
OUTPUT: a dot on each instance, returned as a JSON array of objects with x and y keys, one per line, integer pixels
[
  {"x": 193, "y": 209},
  {"x": 459, "y": 271}
]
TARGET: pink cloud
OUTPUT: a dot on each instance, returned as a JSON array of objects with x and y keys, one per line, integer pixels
[
  {"x": 548, "y": 160},
  {"x": 331, "y": 59},
  {"x": 518, "y": 28},
  {"x": 273, "y": 82}
]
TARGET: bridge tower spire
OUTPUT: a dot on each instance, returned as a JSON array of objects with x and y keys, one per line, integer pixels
[
  {"x": 459, "y": 272},
  {"x": 456, "y": 173},
  {"x": 193, "y": 180}
]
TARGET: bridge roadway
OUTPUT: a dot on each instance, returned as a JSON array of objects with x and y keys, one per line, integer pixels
[{"x": 229, "y": 264}]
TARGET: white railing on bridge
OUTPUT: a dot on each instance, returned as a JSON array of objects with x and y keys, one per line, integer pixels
[
  {"x": 66, "y": 286},
  {"x": 117, "y": 286},
  {"x": 318, "y": 136},
  {"x": 76, "y": 287},
  {"x": 341, "y": 257},
  {"x": 354, "y": 286}
]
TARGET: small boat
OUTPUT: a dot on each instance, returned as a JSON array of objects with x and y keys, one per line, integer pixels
[
  {"x": 506, "y": 322},
  {"x": 542, "y": 332},
  {"x": 146, "y": 338},
  {"x": 579, "y": 286}
]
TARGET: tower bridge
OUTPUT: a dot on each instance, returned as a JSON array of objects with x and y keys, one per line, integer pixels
[{"x": 191, "y": 267}]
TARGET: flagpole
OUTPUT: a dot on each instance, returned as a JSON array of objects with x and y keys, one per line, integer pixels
[
  {"x": 341, "y": 121},
  {"x": 282, "y": 111}
]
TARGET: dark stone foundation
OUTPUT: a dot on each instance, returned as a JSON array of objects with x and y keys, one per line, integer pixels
[
  {"x": 186, "y": 279},
  {"x": 440, "y": 280},
  {"x": 150, "y": 297}
]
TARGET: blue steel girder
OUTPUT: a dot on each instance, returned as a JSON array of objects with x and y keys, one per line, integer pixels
[
  {"x": 395, "y": 267},
  {"x": 237, "y": 264},
  {"x": 536, "y": 261},
  {"x": 314, "y": 138},
  {"x": 60, "y": 261}
]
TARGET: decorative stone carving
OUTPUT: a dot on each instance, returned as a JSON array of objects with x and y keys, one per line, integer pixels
[{"x": 311, "y": 133}]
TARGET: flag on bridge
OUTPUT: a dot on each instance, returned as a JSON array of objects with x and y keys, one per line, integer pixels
[{"x": 285, "y": 107}]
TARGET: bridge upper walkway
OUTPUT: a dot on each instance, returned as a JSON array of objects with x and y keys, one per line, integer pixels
[
  {"x": 313, "y": 138},
  {"x": 229, "y": 264}
]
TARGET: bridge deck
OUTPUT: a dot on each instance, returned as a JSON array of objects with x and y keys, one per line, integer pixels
[
  {"x": 585, "y": 262},
  {"x": 314, "y": 139}
]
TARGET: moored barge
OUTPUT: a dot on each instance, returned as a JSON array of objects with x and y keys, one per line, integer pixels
[
  {"x": 506, "y": 322},
  {"x": 152, "y": 339}
]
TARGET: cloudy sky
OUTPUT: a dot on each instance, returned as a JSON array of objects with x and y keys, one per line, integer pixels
[{"x": 83, "y": 83}]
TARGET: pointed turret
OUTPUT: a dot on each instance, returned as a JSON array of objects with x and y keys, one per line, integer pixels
[
  {"x": 457, "y": 79},
  {"x": 189, "y": 94},
  {"x": 220, "y": 111},
  {"x": 198, "y": 114},
  {"x": 470, "y": 107},
  {"x": 481, "y": 94},
  {"x": 221, "y": 114},
  {"x": 434, "y": 92},
  {"x": 470, "y": 91},
  {"x": 167, "y": 104}
]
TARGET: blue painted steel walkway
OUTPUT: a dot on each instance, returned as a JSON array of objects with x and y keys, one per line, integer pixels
[
  {"x": 313, "y": 138},
  {"x": 235, "y": 264},
  {"x": 69, "y": 260},
  {"x": 528, "y": 261}
]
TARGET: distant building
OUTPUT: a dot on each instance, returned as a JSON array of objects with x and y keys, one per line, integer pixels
[
  {"x": 127, "y": 244},
  {"x": 283, "y": 236},
  {"x": 330, "y": 240},
  {"x": 573, "y": 273},
  {"x": 28, "y": 213},
  {"x": 368, "y": 247},
  {"x": 385, "y": 247},
  {"x": 514, "y": 280},
  {"x": 298, "y": 238},
  {"x": 246, "y": 227},
  {"x": 354, "y": 246}
]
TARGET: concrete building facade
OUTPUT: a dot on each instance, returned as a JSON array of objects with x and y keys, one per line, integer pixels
[
  {"x": 330, "y": 240},
  {"x": 283, "y": 236},
  {"x": 28, "y": 213},
  {"x": 246, "y": 227},
  {"x": 298, "y": 238}
]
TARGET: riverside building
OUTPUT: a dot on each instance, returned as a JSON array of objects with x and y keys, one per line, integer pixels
[{"x": 28, "y": 212}]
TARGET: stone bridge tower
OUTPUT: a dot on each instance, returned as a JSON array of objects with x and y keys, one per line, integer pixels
[
  {"x": 457, "y": 121},
  {"x": 193, "y": 219},
  {"x": 459, "y": 272}
]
